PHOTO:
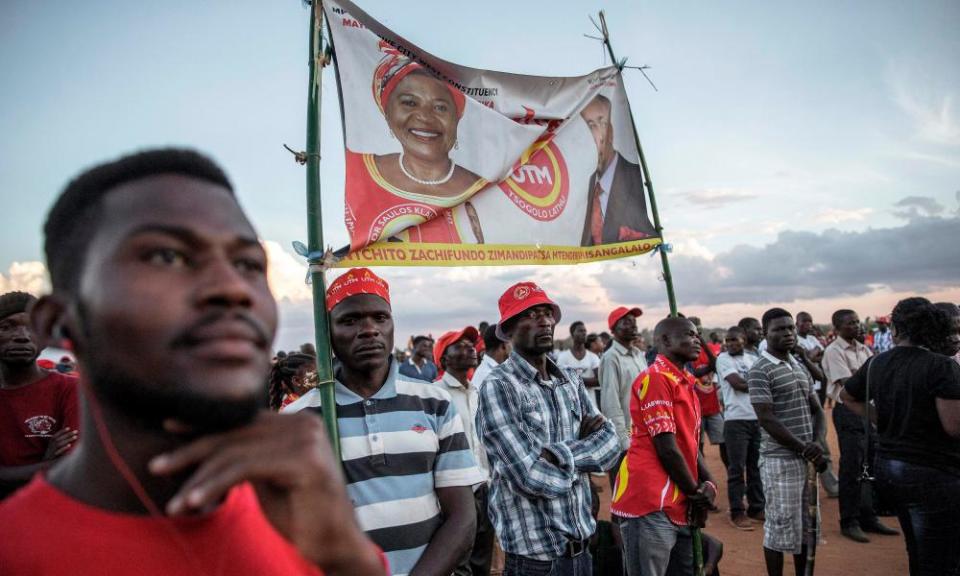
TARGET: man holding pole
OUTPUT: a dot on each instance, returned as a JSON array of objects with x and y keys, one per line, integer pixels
[
  {"x": 663, "y": 485},
  {"x": 405, "y": 455},
  {"x": 790, "y": 416},
  {"x": 543, "y": 437}
]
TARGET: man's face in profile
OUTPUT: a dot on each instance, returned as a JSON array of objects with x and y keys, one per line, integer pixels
[{"x": 597, "y": 116}]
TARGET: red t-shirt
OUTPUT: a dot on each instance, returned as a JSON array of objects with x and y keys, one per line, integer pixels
[
  {"x": 31, "y": 414},
  {"x": 706, "y": 387},
  {"x": 45, "y": 532},
  {"x": 662, "y": 400}
]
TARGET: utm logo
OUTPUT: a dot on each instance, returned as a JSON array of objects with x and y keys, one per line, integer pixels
[{"x": 539, "y": 184}]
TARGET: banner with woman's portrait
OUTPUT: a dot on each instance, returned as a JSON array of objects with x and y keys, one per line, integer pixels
[{"x": 450, "y": 165}]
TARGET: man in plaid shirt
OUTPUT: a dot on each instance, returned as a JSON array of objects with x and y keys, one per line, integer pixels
[{"x": 543, "y": 437}]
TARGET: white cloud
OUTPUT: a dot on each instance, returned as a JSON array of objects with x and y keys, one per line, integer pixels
[
  {"x": 286, "y": 274},
  {"x": 28, "y": 276},
  {"x": 838, "y": 215},
  {"x": 717, "y": 197},
  {"x": 930, "y": 108}
]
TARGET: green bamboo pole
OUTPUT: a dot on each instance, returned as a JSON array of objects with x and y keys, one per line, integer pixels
[
  {"x": 321, "y": 321},
  {"x": 665, "y": 263}
]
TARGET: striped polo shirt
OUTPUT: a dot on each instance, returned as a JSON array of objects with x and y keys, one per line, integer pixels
[
  {"x": 786, "y": 385},
  {"x": 397, "y": 446}
]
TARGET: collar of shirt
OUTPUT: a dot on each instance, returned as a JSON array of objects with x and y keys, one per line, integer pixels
[
  {"x": 776, "y": 360},
  {"x": 451, "y": 381},
  {"x": 663, "y": 364},
  {"x": 624, "y": 351},
  {"x": 606, "y": 181},
  {"x": 854, "y": 345},
  {"x": 488, "y": 362},
  {"x": 526, "y": 371}
]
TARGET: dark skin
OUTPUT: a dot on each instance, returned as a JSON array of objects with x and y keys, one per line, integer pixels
[
  {"x": 175, "y": 300},
  {"x": 735, "y": 342},
  {"x": 679, "y": 342},
  {"x": 850, "y": 329},
  {"x": 625, "y": 331},
  {"x": 781, "y": 340},
  {"x": 711, "y": 365},
  {"x": 458, "y": 358},
  {"x": 422, "y": 351},
  {"x": 753, "y": 332},
  {"x": 362, "y": 338},
  {"x": 804, "y": 328},
  {"x": 531, "y": 333},
  {"x": 579, "y": 350},
  {"x": 19, "y": 349}
]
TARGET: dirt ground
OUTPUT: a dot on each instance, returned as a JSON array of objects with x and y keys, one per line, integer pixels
[{"x": 836, "y": 555}]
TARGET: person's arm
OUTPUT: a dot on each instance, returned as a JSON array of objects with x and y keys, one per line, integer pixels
[
  {"x": 453, "y": 537},
  {"x": 762, "y": 401},
  {"x": 13, "y": 477},
  {"x": 949, "y": 413},
  {"x": 711, "y": 365},
  {"x": 945, "y": 388},
  {"x": 727, "y": 371},
  {"x": 853, "y": 391},
  {"x": 668, "y": 453},
  {"x": 812, "y": 367},
  {"x": 835, "y": 368},
  {"x": 288, "y": 460},
  {"x": 610, "y": 403},
  {"x": 819, "y": 422},
  {"x": 598, "y": 448},
  {"x": 515, "y": 451}
]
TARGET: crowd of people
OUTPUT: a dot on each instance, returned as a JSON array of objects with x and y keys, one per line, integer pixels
[{"x": 189, "y": 447}]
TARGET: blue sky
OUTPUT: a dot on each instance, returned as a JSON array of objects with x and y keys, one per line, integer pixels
[{"x": 778, "y": 130}]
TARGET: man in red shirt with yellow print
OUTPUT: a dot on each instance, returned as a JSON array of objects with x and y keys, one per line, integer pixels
[{"x": 663, "y": 486}]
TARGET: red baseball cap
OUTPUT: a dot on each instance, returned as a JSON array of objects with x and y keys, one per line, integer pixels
[
  {"x": 519, "y": 297},
  {"x": 470, "y": 333},
  {"x": 356, "y": 281},
  {"x": 619, "y": 313}
]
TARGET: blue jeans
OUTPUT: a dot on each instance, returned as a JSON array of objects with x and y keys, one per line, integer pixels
[
  {"x": 655, "y": 546},
  {"x": 581, "y": 565},
  {"x": 927, "y": 501}
]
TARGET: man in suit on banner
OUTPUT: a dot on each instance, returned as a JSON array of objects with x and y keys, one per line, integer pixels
[{"x": 617, "y": 210}]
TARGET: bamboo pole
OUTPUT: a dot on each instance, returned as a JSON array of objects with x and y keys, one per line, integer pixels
[
  {"x": 665, "y": 263},
  {"x": 321, "y": 322}
]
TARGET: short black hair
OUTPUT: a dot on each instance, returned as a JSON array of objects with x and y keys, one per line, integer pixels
[
  {"x": 771, "y": 315},
  {"x": 805, "y": 315},
  {"x": 490, "y": 339},
  {"x": 73, "y": 220},
  {"x": 591, "y": 338},
  {"x": 15, "y": 302},
  {"x": 923, "y": 323},
  {"x": 575, "y": 323},
  {"x": 733, "y": 330},
  {"x": 950, "y": 308},
  {"x": 837, "y": 318},
  {"x": 421, "y": 338},
  {"x": 744, "y": 323}
]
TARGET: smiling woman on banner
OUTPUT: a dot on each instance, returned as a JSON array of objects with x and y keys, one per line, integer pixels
[{"x": 388, "y": 193}]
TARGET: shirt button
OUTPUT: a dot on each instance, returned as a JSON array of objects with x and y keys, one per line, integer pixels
[{"x": 374, "y": 437}]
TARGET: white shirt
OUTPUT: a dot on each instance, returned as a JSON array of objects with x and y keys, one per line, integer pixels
[
  {"x": 482, "y": 371},
  {"x": 606, "y": 181},
  {"x": 810, "y": 343},
  {"x": 467, "y": 400},
  {"x": 586, "y": 367},
  {"x": 736, "y": 404}
]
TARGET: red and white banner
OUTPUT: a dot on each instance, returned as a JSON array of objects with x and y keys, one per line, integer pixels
[{"x": 450, "y": 165}]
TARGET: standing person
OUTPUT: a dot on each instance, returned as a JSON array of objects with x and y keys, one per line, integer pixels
[
  {"x": 159, "y": 282},
  {"x": 287, "y": 381},
  {"x": 595, "y": 344},
  {"x": 406, "y": 458},
  {"x": 38, "y": 408},
  {"x": 582, "y": 361},
  {"x": 619, "y": 367},
  {"x": 543, "y": 438},
  {"x": 882, "y": 337},
  {"x": 807, "y": 340},
  {"x": 496, "y": 353},
  {"x": 790, "y": 416},
  {"x": 951, "y": 346},
  {"x": 663, "y": 474},
  {"x": 420, "y": 365},
  {"x": 842, "y": 358},
  {"x": 704, "y": 370},
  {"x": 456, "y": 354},
  {"x": 741, "y": 431},
  {"x": 917, "y": 397}
]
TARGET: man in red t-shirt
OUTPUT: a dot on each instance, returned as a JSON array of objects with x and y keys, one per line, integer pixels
[
  {"x": 704, "y": 369},
  {"x": 38, "y": 408},
  {"x": 663, "y": 485},
  {"x": 159, "y": 283}
]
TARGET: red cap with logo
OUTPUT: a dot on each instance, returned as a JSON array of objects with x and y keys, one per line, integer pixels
[
  {"x": 470, "y": 333},
  {"x": 619, "y": 313},
  {"x": 519, "y": 297},
  {"x": 356, "y": 281}
]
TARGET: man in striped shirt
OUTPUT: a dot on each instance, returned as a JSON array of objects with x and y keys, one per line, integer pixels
[
  {"x": 791, "y": 418},
  {"x": 543, "y": 437},
  {"x": 405, "y": 455}
]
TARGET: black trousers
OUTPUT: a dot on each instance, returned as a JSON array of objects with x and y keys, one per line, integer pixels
[
  {"x": 856, "y": 505},
  {"x": 478, "y": 562},
  {"x": 742, "y": 438}
]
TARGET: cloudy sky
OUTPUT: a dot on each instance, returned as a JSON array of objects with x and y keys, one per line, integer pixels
[{"x": 803, "y": 155}]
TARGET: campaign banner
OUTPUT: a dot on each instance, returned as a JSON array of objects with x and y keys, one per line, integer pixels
[{"x": 450, "y": 165}]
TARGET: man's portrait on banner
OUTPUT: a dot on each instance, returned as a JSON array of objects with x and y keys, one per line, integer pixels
[
  {"x": 390, "y": 192},
  {"x": 617, "y": 209}
]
